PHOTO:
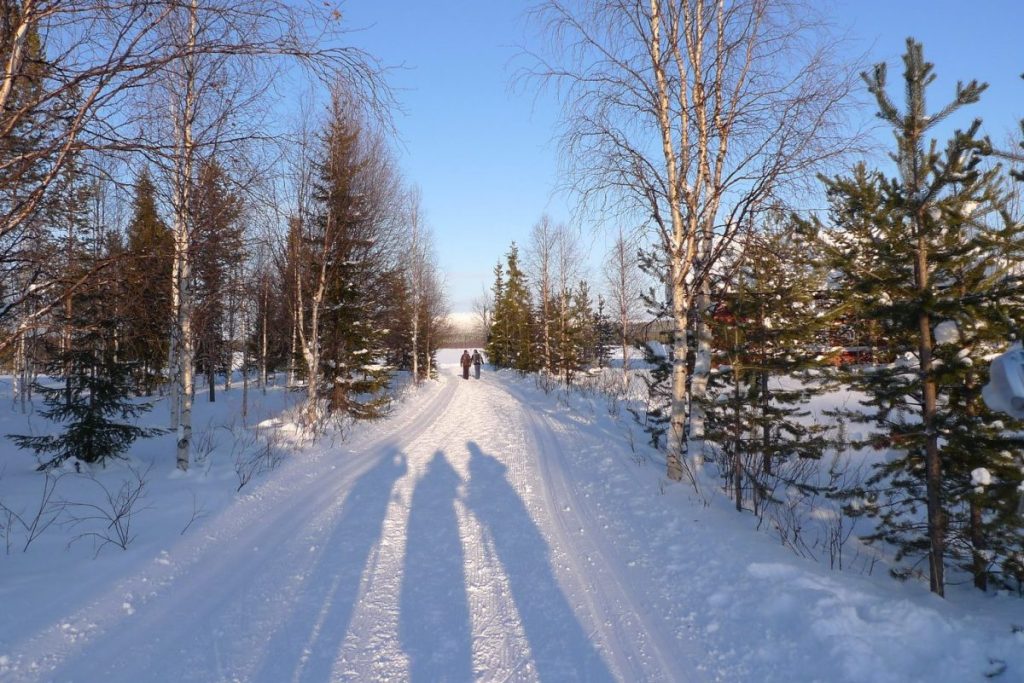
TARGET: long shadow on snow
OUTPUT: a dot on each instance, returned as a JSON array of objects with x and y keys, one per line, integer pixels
[
  {"x": 435, "y": 628},
  {"x": 306, "y": 646},
  {"x": 561, "y": 649}
]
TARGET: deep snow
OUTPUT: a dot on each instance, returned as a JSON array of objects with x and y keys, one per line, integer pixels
[{"x": 488, "y": 531}]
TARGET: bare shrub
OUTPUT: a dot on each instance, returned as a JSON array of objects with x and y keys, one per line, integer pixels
[
  {"x": 198, "y": 512},
  {"x": 115, "y": 513},
  {"x": 36, "y": 519},
  {"x": 257, "y": 452}
]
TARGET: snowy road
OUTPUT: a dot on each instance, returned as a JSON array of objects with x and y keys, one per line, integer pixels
[{"x": 446, "y": 544}]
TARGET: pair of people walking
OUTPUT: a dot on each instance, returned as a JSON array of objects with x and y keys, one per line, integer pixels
[{"x": 476, "y": 360}]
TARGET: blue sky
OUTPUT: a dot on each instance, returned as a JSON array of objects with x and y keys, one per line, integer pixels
[{"x": 485, "y": 155}]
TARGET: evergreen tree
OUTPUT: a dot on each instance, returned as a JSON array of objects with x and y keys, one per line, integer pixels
[
  {"x": 604, "y": 337},
  {"x": 219, "y": 247},
  {"x": 497, "y": 346},
  {"x": 512, "y": 341},
  {"x": 657, "y": 355},
  {"x": 766, "y": 331},
  {"x": 94, "y": 402},
  {"x": 927, "y": 256},
  {"x": 149, "y": 256},
  {"x": 574, "y": 331},
  {"x": 350, "y": 204}
]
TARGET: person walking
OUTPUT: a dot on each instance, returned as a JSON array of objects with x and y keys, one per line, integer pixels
[
  {"x": 466, "y": 361},
  {"x": 478, "y": 360}
]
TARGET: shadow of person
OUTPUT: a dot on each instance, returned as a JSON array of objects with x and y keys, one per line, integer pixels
[
  {"x": 561, "y": 650},
  {"x": 435, "y": 627},
  {"x": 306, "y": 646}
]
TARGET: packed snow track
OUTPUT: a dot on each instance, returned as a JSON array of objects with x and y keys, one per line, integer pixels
[{"x": 447, "y": 543}]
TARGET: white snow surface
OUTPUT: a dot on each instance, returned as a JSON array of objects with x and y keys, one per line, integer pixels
[
  {"x": 486, "y": 531},
  {"x": 1005, "y": 390}
]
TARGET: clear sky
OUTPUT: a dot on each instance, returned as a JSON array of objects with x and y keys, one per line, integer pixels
[{"x": 485, "y": 155}]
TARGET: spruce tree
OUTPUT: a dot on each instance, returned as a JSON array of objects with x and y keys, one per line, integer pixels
[
  {"x": 219, "y": 246},
  {"x": 512, "y": 333},
  {"x": 497, "y": 336},
  {"x": 926, "y": 256},
  {"x": 149, "y": 257},
  {"x": 348, "y": 220},
  {"x": 94, "y": 401}
]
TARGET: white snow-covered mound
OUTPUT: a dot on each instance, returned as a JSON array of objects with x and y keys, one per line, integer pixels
[{"x": 1005, "y": 390}]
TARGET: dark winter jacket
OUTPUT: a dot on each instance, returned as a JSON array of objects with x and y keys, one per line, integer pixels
[{"x": 466, "y": 360}]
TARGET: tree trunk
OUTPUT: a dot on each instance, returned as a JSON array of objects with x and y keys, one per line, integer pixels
[
  {"x": 979, "y": 565},
  {"x": 415, "y": 343},
  {"x": 245, "y": 391},
  {"x": 625, "y": 357},
  {"x": 17, "y": 51},
  {"x": 263, "y": 342},
  {"x": 702, "y": 360},
  {"x": 677, "y": 417},
  {"x": 933, "y": 461},
  {"x": 293, "y": 348},
  {"x": 766, "y": 429},
  {"x": 182, "y": 244},
  {"x": 426, "y": 347},
  {"x": 737, "y": 461},
  {"x": 66, "y": 347}
]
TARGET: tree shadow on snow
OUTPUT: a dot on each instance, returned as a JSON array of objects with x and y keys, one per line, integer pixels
[
  {"x": 306, "y": 646},
  {"x": 435, "y": 628},
  {"x": 561, "y": 649}
]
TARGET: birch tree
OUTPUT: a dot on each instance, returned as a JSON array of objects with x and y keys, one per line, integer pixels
[
  {"x": 174, "y": 81},
  {"x": 230, "y": 53},
  {"x": 693, "y": 115},
  {"x": 416, "y": 273},
  {"x": 541, "y": 264},
  {"x": 622, "y": 277}
]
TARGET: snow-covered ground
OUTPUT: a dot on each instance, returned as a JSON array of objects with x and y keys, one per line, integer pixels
[{"x": 486, "y": 531}]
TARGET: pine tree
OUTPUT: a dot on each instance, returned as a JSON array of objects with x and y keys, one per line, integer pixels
[
  {"x": 766, "y": 331},
  {"x": 926, "y": 255},
  {"x": 654, "y": 418}
]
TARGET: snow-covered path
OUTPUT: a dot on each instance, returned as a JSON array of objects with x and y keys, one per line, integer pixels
[{"x": 447, "y": 543}]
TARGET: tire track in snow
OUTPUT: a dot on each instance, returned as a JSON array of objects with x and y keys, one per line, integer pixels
[
  {"x": 607, "y": 589},
  {"x": 215, "y": 562},
  {"x": 290, "y": 585}
]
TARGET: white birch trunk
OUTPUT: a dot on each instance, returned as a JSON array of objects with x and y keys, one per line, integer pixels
[
  {"x": 185, "y": 157},
  {"x": 245, "y": 391},
  {"x": 263, "y": 342},
  {"x": 678, "y": 413},
  {"x": 417, "y": 287},
  {"x": 679, "y": 252},
  {"x": 701, "y": 365},
  {"x": 17, "y": 51}
]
